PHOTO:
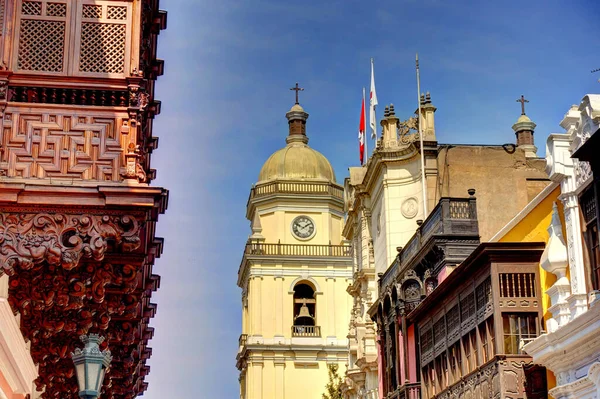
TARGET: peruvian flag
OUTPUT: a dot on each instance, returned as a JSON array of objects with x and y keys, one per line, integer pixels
[
  {"x": 361, "y": 130},
  {"x": 372, "y": 104}
]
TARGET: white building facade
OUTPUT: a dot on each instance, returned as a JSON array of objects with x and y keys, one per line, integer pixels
[{"x": 571, "y": 346}]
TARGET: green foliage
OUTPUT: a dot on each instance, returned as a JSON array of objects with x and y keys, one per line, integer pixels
[{"x": 334, "y": 386}]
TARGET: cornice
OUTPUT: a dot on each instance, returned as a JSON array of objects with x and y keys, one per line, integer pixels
[
  {"x": 248, "y": 270},
  {"x": 120, "y": 195},
  {"x": 381, "y": 157},
  {"x": 570, "y": 344}
]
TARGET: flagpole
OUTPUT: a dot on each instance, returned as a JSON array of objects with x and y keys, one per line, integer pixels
[
  {"x": 425, "y": 211},
  {"x": 374, "y": 117},
  {"x": 365, "y": 134}
]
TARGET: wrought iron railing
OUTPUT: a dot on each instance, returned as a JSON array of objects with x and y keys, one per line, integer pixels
[
  {"x": 306, "y": 331},
  {"x": 262, "y": 249},
  {"x": 451, "y": 216},
  {"x": 281, "y": 187}
]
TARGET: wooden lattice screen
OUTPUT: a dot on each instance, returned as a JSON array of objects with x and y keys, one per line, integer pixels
[{"x": 97, "y": 46}]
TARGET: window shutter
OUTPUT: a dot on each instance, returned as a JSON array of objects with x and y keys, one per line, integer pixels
[
  {"x": 102, "y": 48},
  {"x": 42, "y": 36}
]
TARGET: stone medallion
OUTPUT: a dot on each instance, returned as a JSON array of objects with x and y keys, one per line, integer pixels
[{"x": 410, "y": 208}]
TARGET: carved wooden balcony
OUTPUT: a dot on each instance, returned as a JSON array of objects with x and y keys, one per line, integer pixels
[
  {"x": 409, "y": 391},
  {"x": 302, "y": 250},
  {"x": 452, "y": 218},
  {"x": 503, "y": 377},
  {"x": 306, "y": 331},
  {"x": 242, "y": 342}
]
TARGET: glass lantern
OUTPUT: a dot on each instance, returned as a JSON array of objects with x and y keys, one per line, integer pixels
[{"x": 90, "y": 366}]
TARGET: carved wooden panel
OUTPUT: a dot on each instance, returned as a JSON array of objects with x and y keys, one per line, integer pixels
[{"x": 52, "y": 144}]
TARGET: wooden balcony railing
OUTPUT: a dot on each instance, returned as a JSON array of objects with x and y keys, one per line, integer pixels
[
  {"x": 451, "y": 216},
  {"x": 281, "y": 187},
  {"x": 306, "y": 331},
  {"x": 242, "y": 341},
  {"x": 410, "y": 391},
  {"x": 262, "y": 249}
]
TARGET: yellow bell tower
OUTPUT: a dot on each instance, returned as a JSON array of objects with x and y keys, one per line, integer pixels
[{"x": 294, "y": 274}]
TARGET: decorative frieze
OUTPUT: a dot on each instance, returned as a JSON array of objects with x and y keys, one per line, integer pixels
[
  {"x": 63, "y": 145},
  {"x": 62, "y": 239}
]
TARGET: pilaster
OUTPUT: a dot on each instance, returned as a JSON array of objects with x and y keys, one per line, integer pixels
[{"x": 561, "y": 169}]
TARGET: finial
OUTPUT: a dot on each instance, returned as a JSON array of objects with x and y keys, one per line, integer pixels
[
  {"x": 522, "y": 100},
  {"x": 392, "y": 112},
  {"x": 386, "y": 111},
  {"x": 422, "y": 98},
  {"x": 428, "y": 98},
  {"x": 297, "y": 89},
  {"x": 596, "y": 70}
]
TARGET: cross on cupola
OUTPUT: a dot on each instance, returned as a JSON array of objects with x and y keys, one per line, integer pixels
[
  {"x": 297, "y": 89},
  {"x": 522, "y": 100}
]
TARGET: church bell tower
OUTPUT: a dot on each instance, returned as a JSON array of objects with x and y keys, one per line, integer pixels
[{"x": 294, "y": 273}]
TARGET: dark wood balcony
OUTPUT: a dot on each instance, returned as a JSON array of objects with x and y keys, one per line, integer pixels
[
  {"x": 451, "y": 218},
  {"x": 410, "y": 391},
  {"x": 242, "y": 341},
  {"x": 262, "y": 249},
  {"x": 306, "y": 331}
]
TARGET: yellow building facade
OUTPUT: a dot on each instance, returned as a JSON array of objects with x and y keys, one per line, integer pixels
[
  {"x": 533, "y": 224},
  {"x": 294, "y": 274}
]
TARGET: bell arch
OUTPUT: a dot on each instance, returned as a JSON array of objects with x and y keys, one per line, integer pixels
[
  {"x": 305, "y": 305},
  {"x": 307, "y": 280}
]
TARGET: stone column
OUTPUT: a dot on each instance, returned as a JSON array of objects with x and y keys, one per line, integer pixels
[
  {"x": 560, "y": 169},
  {"x": 578, "y": 299}
]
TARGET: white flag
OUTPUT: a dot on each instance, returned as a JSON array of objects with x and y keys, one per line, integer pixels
[{"x": 372, "y": 104}]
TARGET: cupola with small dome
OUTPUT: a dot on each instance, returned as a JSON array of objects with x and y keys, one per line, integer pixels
[{"x": 297, "y": 160}]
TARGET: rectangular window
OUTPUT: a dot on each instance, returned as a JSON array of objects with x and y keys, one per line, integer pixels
[
  {"x": 455, "y": 362},
  {"x": 73, "y": 37},
  {"x": 519, "y": 329},
  {"x": 486, "y": 335},
  {"x": 484, "y": 293},
  {"x": 588, "y": 208},
  {"x": 470, "y": 347},
  {"x": 467, "y": 307}
]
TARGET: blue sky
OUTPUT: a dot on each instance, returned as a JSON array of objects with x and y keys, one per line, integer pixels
[{"x": 229, "y": 65}]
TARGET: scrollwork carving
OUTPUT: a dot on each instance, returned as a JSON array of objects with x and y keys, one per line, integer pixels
[{"x": 27, "y": 240}]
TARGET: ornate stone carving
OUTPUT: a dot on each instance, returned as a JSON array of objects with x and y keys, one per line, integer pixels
[
  {"x": 27, "y": 239},
  {"x": 405, "y": 128},
  {"x": 410, "y": 208}
]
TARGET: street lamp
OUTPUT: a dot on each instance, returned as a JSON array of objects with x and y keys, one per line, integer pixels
[{"x": 90, "y": 366}]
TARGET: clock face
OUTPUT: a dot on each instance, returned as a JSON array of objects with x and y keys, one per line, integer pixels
[{"x": 303, "y": 227}]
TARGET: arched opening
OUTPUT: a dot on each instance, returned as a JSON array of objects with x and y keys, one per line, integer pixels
[{"x": 304, "y": 305}]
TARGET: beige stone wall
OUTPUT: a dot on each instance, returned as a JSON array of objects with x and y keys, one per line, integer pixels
[{"x": 505, "y": 182}]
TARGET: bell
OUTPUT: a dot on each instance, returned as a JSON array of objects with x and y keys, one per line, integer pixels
[{"x": 304, "y": 312}]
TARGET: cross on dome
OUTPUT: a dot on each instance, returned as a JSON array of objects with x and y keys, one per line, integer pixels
[
  {"x": 297, "y": 89},
  {"x": 522, "y": 100}
]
